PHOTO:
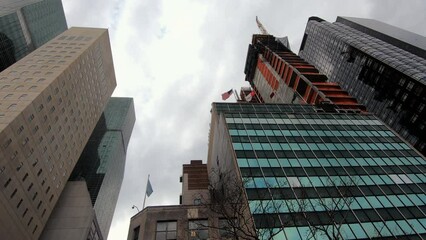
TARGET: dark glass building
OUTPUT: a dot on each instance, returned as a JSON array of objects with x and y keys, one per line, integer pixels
[
  {"x": 382, "y": 66},
  {"x": 26, "y": 25},
  {"x": 103, "y": 159},
  {"x": 312, "y": 173}
]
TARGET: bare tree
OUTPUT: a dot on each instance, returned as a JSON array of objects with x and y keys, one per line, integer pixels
[
  {"x": 336, "y": 209},
  {"x": 227, "y": 201}
]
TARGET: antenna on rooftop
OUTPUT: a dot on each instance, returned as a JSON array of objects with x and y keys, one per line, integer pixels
[{"x": 261, "y": 27}]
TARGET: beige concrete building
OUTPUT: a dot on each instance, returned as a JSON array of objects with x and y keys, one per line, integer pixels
[
  {"x": 73, "y": 217},
  {"x": 50, "y": 101}
]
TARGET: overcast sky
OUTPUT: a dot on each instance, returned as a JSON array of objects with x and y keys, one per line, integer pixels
[{"x": 176, "y": 57}]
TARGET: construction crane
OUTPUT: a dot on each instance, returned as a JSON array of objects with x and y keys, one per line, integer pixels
[
  {"x": 283, "y": 40},
  {"x": 261, "y": 27}
]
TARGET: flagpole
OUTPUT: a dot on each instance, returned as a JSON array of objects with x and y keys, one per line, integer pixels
[
  {"x": 258, "y": 99},
  {"x": 144, "y": 198},
  {"x": 236, "y": 95}
]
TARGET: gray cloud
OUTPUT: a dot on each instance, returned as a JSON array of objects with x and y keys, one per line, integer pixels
[{"x": 406, "y": 15}]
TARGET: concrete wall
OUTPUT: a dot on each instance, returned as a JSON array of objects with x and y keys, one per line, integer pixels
[
  {"x": 72, "y": 216},
  {"x": 195, "y": 183},
  {"x": 147, "y": 221}
]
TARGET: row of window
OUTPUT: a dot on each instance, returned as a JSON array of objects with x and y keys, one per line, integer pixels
[
  {"x": 355, "y": 231},
  {"x": 324, "y": 153},
  {"x": 329, "y": 181},
  {"x": 280, "y": 111},
  {"x": 319, "y": 146},
  {"x": 259, "y": 126},
  {"x": 340, "y": 204},
  {"x": 197, "y": 229},
  {"x": 313, "y": 121},
  {"x": 298, "y": 139},
  {"x": 73, "y": 38},
  {"x": 306, "y": 133},
  {"x": 328, "y": 162},
  {"x": 234, "y": 108}
]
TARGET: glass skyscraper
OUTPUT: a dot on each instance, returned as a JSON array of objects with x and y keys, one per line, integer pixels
[
  {"x": 103, "y": 159},
  {"x": 26, "y": 25},
  {"x": 382, "y": 66},
  {"x": 309, "y": 172}
]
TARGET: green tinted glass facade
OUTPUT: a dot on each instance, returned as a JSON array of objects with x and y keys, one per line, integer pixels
[
  {"x": 13, "y": 45},
  {"x": 309, "y": 173},
  {"x": 103, "y": 159},
  {"x": 27, "y": 25},
  {"x": 45, "y": 20}
]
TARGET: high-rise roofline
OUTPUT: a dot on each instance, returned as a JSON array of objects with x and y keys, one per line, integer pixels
[{"x": 406, "y": 40}]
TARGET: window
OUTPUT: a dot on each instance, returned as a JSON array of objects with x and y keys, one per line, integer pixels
[
  {"x": 40, "y": 107},
  {"x": 166, "y": 230},
  {"x": 19, "y": 204},
  {"x": 35, "y": 196},
  {"x": 225, "y": 229},
  {"x": 13, "y": 193},
  {"x": 7, "y": 182},
  {"x": 136, "y": 233},
  {"x": 199, "y": 229},
  {"x": 7, "y": 143},
  {"x": 20, "y": 129},
  {"x": 12, "y": 106},
  {"x": 25, "y": 212}
]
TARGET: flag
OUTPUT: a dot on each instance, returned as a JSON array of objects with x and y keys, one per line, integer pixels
[
  {"x": 149, "y": 188},
  {"x": 250, "y": 96},
  {"x": 227, "y": 94}
]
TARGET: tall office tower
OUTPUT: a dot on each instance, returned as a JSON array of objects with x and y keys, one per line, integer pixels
[
  {"x": 26, "y": 25},
  {"x": 330, "y": 175},
  {"x": 103, "y": 159},
  {"x": 384, "y": 67},
  {"x": 51, "y": 102},
  {"x": 277, "y": 75}
]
